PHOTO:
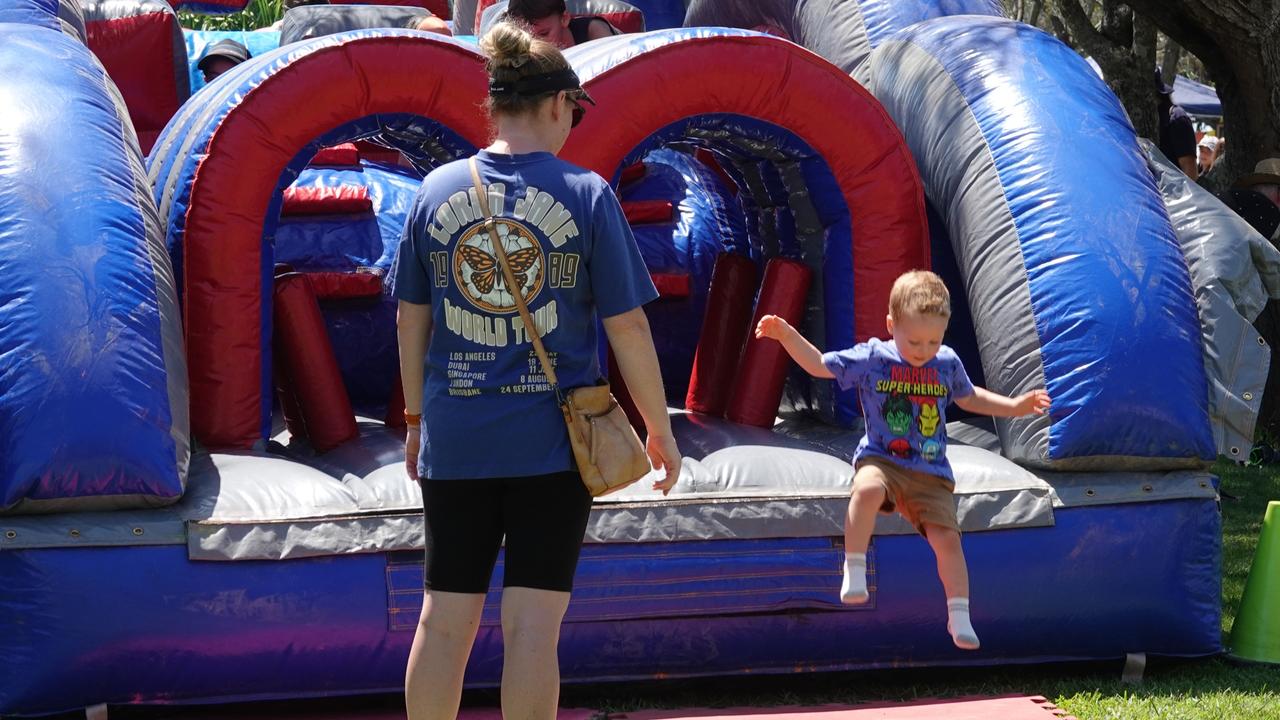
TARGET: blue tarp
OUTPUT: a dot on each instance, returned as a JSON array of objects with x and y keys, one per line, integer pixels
[{"x": 1196, "y": 98}]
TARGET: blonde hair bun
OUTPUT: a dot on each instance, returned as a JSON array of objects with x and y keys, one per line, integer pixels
[{"x": 507, "y": 46}]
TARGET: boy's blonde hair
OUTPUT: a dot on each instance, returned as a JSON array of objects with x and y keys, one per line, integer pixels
[{"x": 918, "y": 293}]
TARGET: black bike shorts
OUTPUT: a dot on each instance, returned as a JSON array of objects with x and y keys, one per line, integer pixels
[{"x": 542, "y": 517}]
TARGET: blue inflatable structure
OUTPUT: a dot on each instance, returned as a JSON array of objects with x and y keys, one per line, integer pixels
[
  {"x": 961, "y": 141},
  {"x": 93, "y": 402}
]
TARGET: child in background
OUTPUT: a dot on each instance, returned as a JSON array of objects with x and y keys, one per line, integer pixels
[{"x": 901, "y": 464}]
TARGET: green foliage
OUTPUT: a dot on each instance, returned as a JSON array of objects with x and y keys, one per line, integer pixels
[{"x": 257, "y": 14}]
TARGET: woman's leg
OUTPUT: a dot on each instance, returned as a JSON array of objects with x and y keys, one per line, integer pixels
[
  {"x": 545, "y": 518},
  {"x": 446, "y": 630},
  {"x": 530, "y": 667},
  {"x": 463, "y": 534}
]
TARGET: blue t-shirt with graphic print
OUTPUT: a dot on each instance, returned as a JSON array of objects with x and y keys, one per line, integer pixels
[
  {"x": 904, "y": 407},
  {"x": 487, "y": 409}
]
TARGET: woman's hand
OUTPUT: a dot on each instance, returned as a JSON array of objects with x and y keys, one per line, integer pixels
[
  {"x": 412, "y": 443},
  {"x": 664, "y": 454}
]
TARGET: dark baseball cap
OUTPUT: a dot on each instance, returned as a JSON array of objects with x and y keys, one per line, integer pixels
[{"x": 229, "y": 49}]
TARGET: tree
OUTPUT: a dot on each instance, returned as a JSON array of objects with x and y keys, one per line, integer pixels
[
  {"x": 1027, "y": 11},
  {"x": 1239, "y": 43},
  {"x": 1124, "y": 46}
]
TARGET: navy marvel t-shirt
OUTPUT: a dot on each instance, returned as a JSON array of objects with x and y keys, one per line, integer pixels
[
  {"x": 487, "y": 410},
  {"x": 904, "y": 407}
]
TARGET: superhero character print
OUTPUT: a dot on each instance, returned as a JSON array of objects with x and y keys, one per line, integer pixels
[
  {"x": 898, "y": 417},
  {"x": 928, "y": 417}
]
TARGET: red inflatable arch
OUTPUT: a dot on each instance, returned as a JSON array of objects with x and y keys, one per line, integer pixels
[
  {"x": 781, "y": 83},
  {"x": 226, "y": 303}
]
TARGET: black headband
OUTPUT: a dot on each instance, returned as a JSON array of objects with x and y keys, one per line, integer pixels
[{"x": 540, "y": 84}]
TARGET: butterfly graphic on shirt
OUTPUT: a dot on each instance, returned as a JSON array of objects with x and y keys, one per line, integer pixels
[
  {"x": 478, "y": 275},
  {"x": 485, "y": 270}
]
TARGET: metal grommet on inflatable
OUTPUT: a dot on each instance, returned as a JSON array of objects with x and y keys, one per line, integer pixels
[
  {"x": 93, "y": 396},
  {"x": 221, "y": 164},
  {"x": 1052, "y": 296},
  {"x": 852, "y": 211}
]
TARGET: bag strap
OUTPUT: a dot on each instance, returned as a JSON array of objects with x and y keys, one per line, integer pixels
[{"x": 510, "y": 278}]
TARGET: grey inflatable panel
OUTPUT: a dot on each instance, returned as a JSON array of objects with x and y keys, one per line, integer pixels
[
  {"x": 842, "y": 31},
  {"x": 67, "y": 17},
  {"x": 356, "y": 499},
  {"x": 311, "y": 21},
  {"x": 464, "y": 16},
  {"x": 1228, "y": 261},
  {"x": 497, "y": 11},
  {"x": 71, "y": 14}
]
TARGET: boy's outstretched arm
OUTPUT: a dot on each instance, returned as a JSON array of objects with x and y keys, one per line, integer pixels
[
  {"x": 802, "y": 351},
  {"x": 985, "y": 402}
]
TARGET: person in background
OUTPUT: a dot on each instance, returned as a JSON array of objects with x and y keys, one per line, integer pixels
[
  {"x": 1177, "y": 134},
  {"x": 221, "y": 57},
  {"x": 430, "y": 23},
  {"x": 550, "y": 20},
  {"x": 1207, "y": 150},
  {"x": 1264, "y": 179}
]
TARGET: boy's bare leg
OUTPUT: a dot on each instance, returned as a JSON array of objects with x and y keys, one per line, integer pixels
[
  {"x": 860, "y": 520},
  {"x": 954, "y": 574}
]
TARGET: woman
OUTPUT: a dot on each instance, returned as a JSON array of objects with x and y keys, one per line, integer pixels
[
  {"x": 550, "y": 20},
  {"x": 495, "y": 456}
]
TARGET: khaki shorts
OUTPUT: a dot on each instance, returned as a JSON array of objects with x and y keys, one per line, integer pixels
[{"x": 921, "y": 498}]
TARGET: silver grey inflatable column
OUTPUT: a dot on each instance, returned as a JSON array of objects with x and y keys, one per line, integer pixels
[
  {"x": 842, "y": 31},
  {"x": 1234, "y": 271}
]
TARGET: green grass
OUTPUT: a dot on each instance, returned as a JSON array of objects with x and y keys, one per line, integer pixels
[
  {"x": 1212, "y": 689},
  {"x": 257, "y": 14}
]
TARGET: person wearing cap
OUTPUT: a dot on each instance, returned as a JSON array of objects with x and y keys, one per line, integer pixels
[
  {"x": 550, "y": 20},
  {"x": 485, "y": 439},
  {"x": 1207, "y": 149},
  {"x": 221, "y": 57},
  {"x": 1264, "y": 179},
  {"x": 1177, "y": 133}
]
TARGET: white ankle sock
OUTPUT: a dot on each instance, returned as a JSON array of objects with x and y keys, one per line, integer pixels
[
  {"x": 853, "y": 591},
  {"x": 962, "y": 632}
]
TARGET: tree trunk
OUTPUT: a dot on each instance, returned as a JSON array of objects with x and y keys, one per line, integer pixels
[
  {"x": 1125, "y": 48},
  {"x": 1169, "y": 63},
  {"x": 1239, "y": 43}
]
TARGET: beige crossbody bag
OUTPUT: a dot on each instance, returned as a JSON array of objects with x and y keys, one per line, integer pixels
[{"x": 608, "y": 452}]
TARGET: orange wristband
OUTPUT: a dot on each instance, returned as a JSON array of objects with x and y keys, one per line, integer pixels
[{"x": 412, "y": 420}]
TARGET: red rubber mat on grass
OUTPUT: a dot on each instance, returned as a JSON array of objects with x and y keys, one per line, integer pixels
[{"x": 1018, "y": 707}]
